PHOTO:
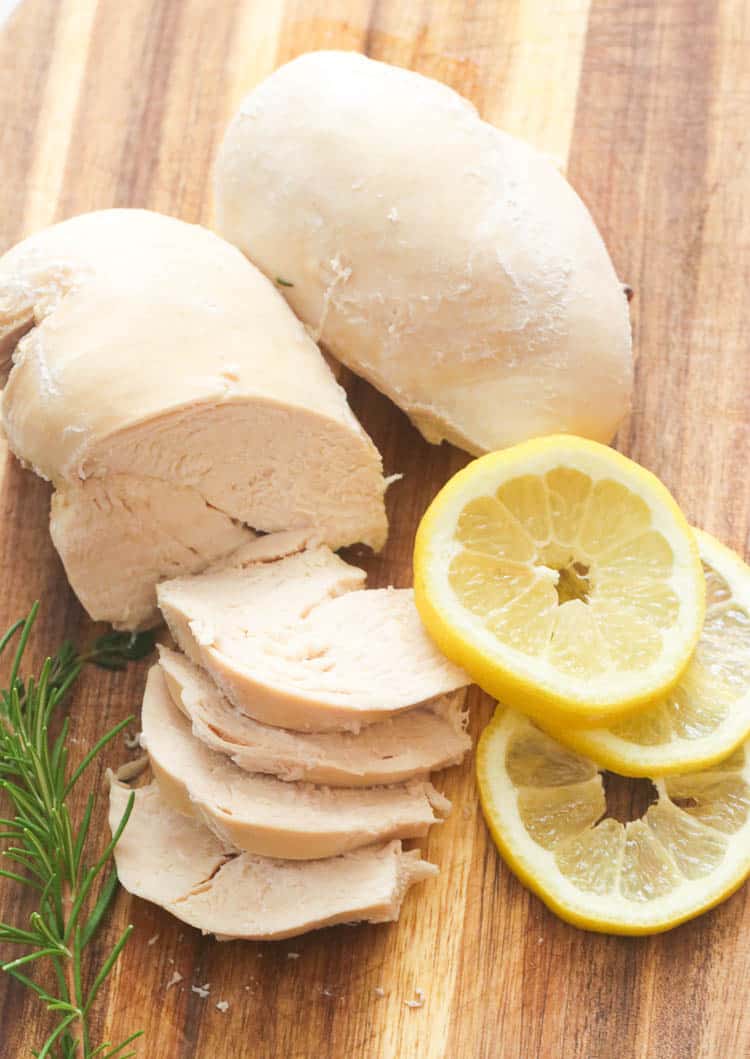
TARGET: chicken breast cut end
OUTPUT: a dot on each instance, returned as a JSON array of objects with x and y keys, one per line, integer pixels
[
  {"x": 174, "y": 401},
  {"x": 176, "y": 863},
  {"x": 140, "y": 530},
  {"x": 406, "y": 746}
]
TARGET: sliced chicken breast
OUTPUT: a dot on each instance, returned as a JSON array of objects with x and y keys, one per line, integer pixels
[
  {"x": 264, "y": 815},
  {"x": 172, "y": 861},
  {"x": 290, "y": 645},
  {"x": 158, "y": 378},
  {"x": 406, "y": 746},
  {"x": 272, "y": 580}
]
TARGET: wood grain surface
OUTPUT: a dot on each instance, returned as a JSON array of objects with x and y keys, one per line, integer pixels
[{"x": 122, "y": 103}]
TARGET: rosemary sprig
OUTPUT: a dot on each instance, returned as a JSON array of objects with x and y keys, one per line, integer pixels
[{"x": 48, "y": 852}]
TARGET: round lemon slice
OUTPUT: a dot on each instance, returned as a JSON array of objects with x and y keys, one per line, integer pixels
[
  {"x": 707, "y": 714},
  {"x": 563, "y": 577},
  {"x": 546, "y": 809}
]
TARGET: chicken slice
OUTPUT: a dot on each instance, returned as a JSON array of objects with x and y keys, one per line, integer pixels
[
  {"x": 406, "y": 746},
  {"x": 262, "y": 814},
  {"x": 291, "y": 648},
  {"x": 172, "y": 861}
]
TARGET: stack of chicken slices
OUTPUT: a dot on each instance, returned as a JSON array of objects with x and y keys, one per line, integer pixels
[{"x": 291, "y": 742}]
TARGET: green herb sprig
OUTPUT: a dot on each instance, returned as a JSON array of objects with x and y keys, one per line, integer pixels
[{"x": 48, "y": 850}]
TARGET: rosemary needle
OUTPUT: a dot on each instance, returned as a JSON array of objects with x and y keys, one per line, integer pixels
[{"x": 47, "y": 851}]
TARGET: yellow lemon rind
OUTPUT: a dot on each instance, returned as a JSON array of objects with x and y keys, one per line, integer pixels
[
  {"x": 496, "y": 677},
  {"x": 579, "y": 917}
]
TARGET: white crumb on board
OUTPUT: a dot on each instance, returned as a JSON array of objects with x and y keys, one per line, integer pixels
[
  {"x": 201, "y": 990},
  {"x": 418, "y": 1002},
  {"x": 292, "y": 956},
  {"x": 175, "y": 979},
  {"x": 7, "y": 7},
  {"x": 153, "y": 940},
  {"x": 379, "y": 991},
  {"x": 223, "y": 1006}
]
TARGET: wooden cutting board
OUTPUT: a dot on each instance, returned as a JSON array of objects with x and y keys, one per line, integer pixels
[{"x": 112, "y": 103}]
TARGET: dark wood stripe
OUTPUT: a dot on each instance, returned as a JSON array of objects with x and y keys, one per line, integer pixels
[{"x": 639, "y": 159}]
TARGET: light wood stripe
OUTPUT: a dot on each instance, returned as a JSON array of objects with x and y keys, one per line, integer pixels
[
  {"x": 57, "y": 113},
  {"x": 545, "y": 59},
  {"x": 252, "y": 52}
]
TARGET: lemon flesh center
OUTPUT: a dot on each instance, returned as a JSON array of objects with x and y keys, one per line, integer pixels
[{"x": 568, "y": 569}]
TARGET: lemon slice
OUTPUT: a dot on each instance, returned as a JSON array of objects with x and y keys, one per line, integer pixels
[
  {"x": 707, "y": 714},
  {"x": 563, "y": 577},
  {"x": 545, "y": 807}
]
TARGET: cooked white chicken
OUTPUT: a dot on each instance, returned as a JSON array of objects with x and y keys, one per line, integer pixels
[
  {"x": 163, "y": 386},
  {"x": 447, "y": 262},
  {"x": 262, "y": 814},
  {"x": 406, "y": 746},
  {"x": 291, "y": 645},
  {"x": 173, "y": 861}
]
